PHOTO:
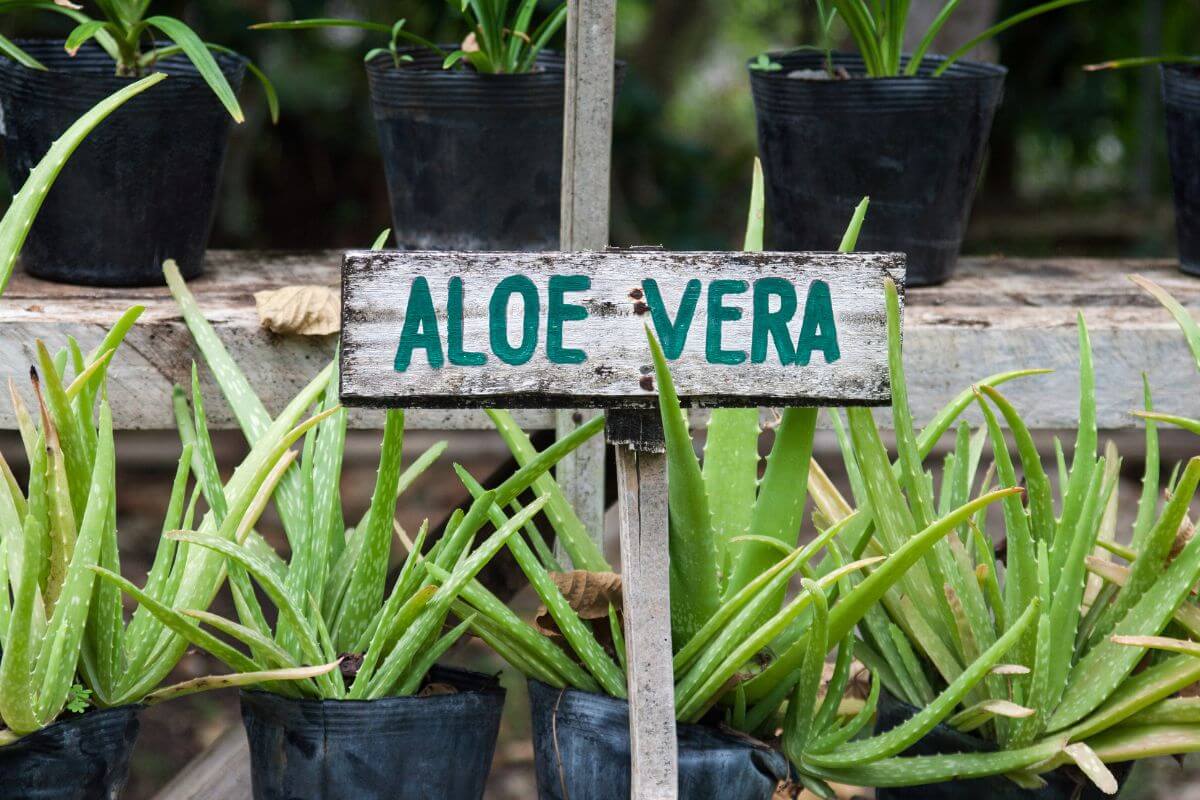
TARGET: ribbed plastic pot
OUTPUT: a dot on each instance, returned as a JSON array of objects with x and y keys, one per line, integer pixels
[
  {"x": 1061, "y": 784},
  {"x": 1181, "y": 97},
  {"x": 83, "y": 757},
  {"x": 141, "y": 188},
  {"x": 914, "y": 145},
  {"x": 581, "y": 752},
  {"x": 399, "y": 748},
  {"x": 473, "y": 162}
]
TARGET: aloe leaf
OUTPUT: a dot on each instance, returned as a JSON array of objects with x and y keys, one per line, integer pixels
[
  {"x": 64, "y": 634},
  {"x": 18, "y": 702},
  {"x": 693, "y": 553},
  {"x": 1137, "y": 743},
  {"x": 798, "y": 725},
  {"x": 211, "y": 682},
  {"x": 365, "y": 592},
  {"x": 273, "y": 655},
  {"x": 925, "y": 770},
  {"x": 197, "y": 52},
  {"x": 730, "y": 474},
  {"x": 779, "y": 509}
]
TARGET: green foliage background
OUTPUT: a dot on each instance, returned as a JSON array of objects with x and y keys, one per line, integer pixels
[{"x": 1087, "y": 148}]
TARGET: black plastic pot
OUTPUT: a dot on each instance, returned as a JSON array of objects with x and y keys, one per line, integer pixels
[
  {"x": 142, "y": 187},
  {"x": 473, "y": 162},
  {"x": 581, "y": 752},
  {"x": 914, "y": 145},
  {"x": 81, "y": 758},
  {"x": 399, "y": 748},
  {"x": 1181, "y": 96},
  {"x": 1061, "y": 784}
]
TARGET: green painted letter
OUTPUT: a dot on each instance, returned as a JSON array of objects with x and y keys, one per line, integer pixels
[
  {"x": 498, "y": 320},
  {"x": 420, "y": 328},
  {"x": 773, "y": 324},
  {"x": 454, "y": 329},
  {"x": 818, "y": 331},
  {"x": 719, "y": 314},
  {"x": 672, "y": 335},
  {"x": 559, "y": 312}
]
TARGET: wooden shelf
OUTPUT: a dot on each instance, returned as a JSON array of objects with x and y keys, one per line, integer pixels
[{"x": 998, "y": 314}]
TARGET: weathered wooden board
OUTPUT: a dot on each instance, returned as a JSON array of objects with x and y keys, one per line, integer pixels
[
  {"x": 642, "y": 505},
  {"x": 996, "y": 314},
  {"x": 428, "y": 329}
]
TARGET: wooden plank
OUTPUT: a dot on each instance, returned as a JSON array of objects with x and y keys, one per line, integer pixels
[
  {"x": 587, "y": 124},
  {"x": 581, "y": 476},
  {"x": 586, "y": 177},
  {"x": 221, "y": 772},
  {"x": 425, "y": 329},
  {"x": 642, "y": 506},
  {"x": 997, "y": 313}
]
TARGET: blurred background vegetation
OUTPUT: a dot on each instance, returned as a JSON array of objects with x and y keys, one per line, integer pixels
[{"x": 1077, "y": 166}]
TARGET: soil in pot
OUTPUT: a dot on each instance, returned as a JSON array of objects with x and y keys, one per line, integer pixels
[
  {"x": 1061, "y": 784},
  {"x": 79, "y": 758},
  {"x": 473, "y": 162},
  {"x": 436, "y": 744},
  {"x": 581, "y": 752},
  {"x": 1181, "y": 97},
  {"x": 914, "y": 145},
  {"x": 141, "y": 189}
]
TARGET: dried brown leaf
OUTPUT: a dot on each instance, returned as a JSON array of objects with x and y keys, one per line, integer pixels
[
  {"x": 300, "y": 310},
  {"x": 589, "y": 593}
]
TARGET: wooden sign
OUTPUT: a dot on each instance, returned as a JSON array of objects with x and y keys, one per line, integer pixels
[{"x": 537, "y": 330}]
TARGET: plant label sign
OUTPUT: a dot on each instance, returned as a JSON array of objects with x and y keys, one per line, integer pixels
[{"x": 539, "y": 330}]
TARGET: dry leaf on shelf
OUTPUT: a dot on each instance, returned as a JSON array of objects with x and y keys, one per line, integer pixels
[{"x": 300, "y": 310}]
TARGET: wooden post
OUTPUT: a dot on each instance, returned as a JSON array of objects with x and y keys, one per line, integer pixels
[
  {"x": 586, "y": 176},
  {"x": 645, "y": 561}
]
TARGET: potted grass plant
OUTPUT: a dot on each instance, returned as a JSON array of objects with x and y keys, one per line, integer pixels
[
  {"x": 734, "y": 549},
  {"x": 74, "y": 674},
  {"x": 390, "y": 705},
  {"x": 146, "y": 190},
  {"x": 457, "y": 121},
  {"x": 908, "y": 129},
  {"x": 1090, "y": 684},
  {"x": 1181, "y": 100}
]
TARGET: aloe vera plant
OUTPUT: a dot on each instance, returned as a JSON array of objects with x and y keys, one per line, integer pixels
[
  {"x": 501, "y": 37},
  {"x": 64, "y": 638},
  {"x": 878, "y": 29},
  {"x": 331, "y": 595},
  {"x": 1068, "y": 693},
  {"x": 736, "y": 537},
  {"x": 121, "y": 29}
]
